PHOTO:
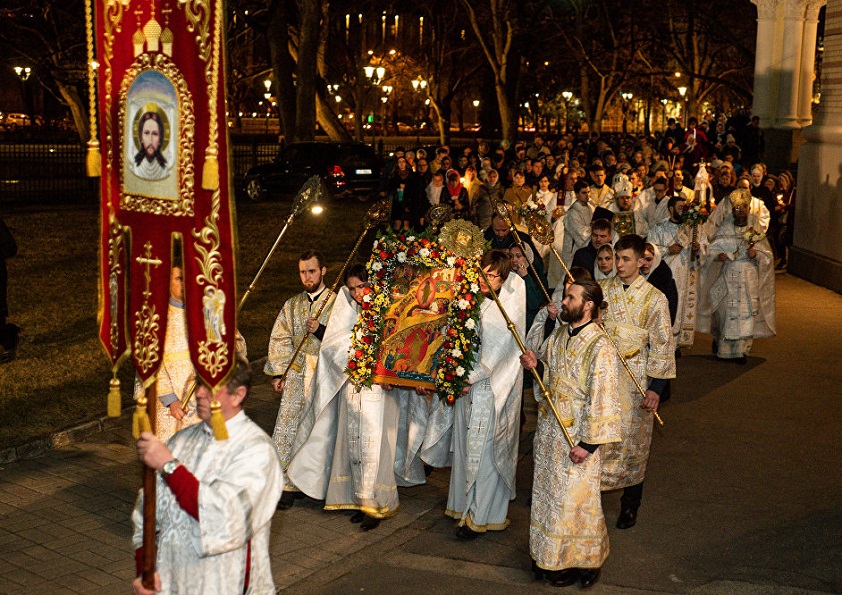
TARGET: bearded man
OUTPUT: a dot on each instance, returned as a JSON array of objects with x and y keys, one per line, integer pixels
[
  {"x": 295, "y": 323},
  {"x": 568, "y": 539}
]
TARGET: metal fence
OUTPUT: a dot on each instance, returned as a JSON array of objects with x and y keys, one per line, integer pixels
[{"x": 55, "y": 173}]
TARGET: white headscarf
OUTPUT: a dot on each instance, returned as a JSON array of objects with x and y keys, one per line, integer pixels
[
  {"x": 599, "y": 275},
  {"x": 656, "y": 260}
]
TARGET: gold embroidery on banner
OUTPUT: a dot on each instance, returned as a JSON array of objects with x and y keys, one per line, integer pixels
[
  {"x": 186, "y": 175},
  {"x": 213, "y": 352},
  {"x": 198, "y": 13},
  {"x": 146, "y": 344},
  {"x": 115, "y": 249}
]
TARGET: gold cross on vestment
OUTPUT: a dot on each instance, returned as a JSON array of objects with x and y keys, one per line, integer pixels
[{"x": 148, "y": 261}]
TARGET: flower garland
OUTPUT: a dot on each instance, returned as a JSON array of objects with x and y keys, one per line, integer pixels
[{"x": 420, "y": 250}]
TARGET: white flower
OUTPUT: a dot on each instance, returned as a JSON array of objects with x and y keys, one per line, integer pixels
[
  {"x": 360, "y": 333},
  {"x": 460, "y": 371},
  {"x": 376, "y": 266},
  {"x": 424, "y": 252},
  {"x": 376, "y": 243},
  {"x": 456, "y": 353},
  {"x": 531, "y": 204},
  {"x": 470, "y": 324},
  {"x": 474, "y": 288},
  {"x": 410, "y": 238},
  {"x": 367, "y": 297},
  {"x": 401, "y": 256},
  {"x": 463, "y": 304},
  {"x": 451, "y": 260}
]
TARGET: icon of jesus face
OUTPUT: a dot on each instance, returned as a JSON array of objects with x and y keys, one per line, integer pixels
[{"x": 150, "y": 138}]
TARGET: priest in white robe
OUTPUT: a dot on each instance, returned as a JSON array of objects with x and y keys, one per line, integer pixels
[
  {"x": 568, "y": 539},
  {"x": 684, "y": 250},
  {"x": 738, "y": 287},
  {"x": 577, "y": 223},
  {"x": 295, "y": 322},
  {"x": 638, "y": 319},
  {"x": 215, "y": 500},
  {"x": 486, "y": 422}
]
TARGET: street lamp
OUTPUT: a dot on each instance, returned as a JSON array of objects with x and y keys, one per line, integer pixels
[
  {"x": 683, "y": 92},
  {"x": 476, "y": 112},
  {"x": 664, "y": 102},
  {"x": 23, "y": 72},
  {"x": 625, "y": 107}
]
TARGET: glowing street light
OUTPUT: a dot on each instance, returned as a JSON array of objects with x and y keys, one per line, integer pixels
[{"x": 23, "y": 72}]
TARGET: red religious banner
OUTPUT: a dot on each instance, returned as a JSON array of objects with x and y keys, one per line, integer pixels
[{"x": 160, "y": 93}]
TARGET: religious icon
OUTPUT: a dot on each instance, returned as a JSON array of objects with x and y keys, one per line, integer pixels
[
  {"x": 213, "y": 306},
  {"x": 151, "y": 136}
]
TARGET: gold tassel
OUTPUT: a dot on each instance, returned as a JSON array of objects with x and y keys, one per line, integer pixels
[
  {"x": 115, "y": 400},
  {"x": 220, "y": 432},
  {"x": 140, "y": 420},
  {"x": 210, "y": 171},
  {"x": 93, "y": 160}
]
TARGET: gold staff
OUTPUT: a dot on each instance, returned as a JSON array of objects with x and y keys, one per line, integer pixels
[
  {"x": 377, "y": 214},
  {"x": 629, "y": 370},
  {"x": 542, "y": 232},
  {"x": 459, "y": 239},
  {"x": 503, "y": 211},
  {"x": 310, "y": 193}
]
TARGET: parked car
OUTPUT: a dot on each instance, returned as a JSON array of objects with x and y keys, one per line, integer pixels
[{"x": 344, "y": 168}]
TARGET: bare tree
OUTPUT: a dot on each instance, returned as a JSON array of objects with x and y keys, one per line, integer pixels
[
  {"x": 493, "y": 23},
  {"x": 51, "y": 37}
]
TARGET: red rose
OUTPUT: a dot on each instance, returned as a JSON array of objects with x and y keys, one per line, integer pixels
[
  {"x": 352, "y": 365},
  {"x": 359, "y": 353},
  {"x": 366, "y": 306},
  {"x": 460, "y": 262},
  {"x": 367, "y": 340},
  {"x": 462, "y": 314},
  {"x": 449, "y": 376},
  {"x": 435, "y": 254},
  {"x": 384, "y": 255},
  {"x": 381, "y": 273},
  {"x": 469, "y": 297},
  {"x": 449, "y": 359}
]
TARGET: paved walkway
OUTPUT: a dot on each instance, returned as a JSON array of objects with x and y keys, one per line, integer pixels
[{"x": 742, "y": 496}]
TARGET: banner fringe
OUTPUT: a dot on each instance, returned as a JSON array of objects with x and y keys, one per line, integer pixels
[
  {"x": 115, "y": 399},
  {"x": 220, "y": 432}
]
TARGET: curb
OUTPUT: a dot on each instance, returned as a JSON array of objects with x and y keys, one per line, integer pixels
[{"x": 72, "y": 435}]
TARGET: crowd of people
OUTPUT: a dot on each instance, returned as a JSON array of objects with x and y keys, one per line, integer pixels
[{"x": 653, "y": 241}]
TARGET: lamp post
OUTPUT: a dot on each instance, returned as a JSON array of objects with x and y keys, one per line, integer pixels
[
  {"x": 683, "y": 92},
  {"x": 626, "y": 98},
  {"x": 476, "y": 112},
  {"x": 23, "y": 73},
  {"x": 664, "y": 103},
  {"x": 567, "y": 95}
]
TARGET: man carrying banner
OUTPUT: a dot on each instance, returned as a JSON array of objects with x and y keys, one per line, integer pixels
[
  {"x": 215, "y": 500},
  {"x": 568, "y": 539},
  {"x": 486, "y": 420},
  {"x": 637, "y": 317},
  {"x": 295, "y": 323}
]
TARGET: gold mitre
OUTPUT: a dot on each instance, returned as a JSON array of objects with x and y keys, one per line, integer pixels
[
  {"x": 740, "y": 197},
  {"x": 462, "y": 238}
]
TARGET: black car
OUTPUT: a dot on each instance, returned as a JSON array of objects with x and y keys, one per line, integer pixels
[{"x": 344, "y": 168}]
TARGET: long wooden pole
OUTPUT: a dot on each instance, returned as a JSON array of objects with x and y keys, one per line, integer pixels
[
  {"x": 503, "y": 212},
  {"x": 150, "y": 478},
  {"x": 513, "y": 330}
]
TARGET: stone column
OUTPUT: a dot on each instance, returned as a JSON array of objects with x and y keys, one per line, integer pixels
[
  {"x": 793, "y": 35},
  {"x": 764, "y": 103},
  {"x": 817, "y": 251},
  {"x": 808, "y": 61}
]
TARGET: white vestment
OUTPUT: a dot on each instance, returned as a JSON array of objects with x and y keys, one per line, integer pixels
[
  {"x": 240, "y": 483},
  {"x": 567, "y": 528},
  {"x": 577, "y": 230},
  {"x": 685, "y": 270},
  {"x": 486, "y": 421},
  {"x": 738, "y": 295},
  {"x": 413, "y": 414},
  {"x": 312, "y": 450},
  {"x": 638, "y": 319},
  {"x": 289, "y": 330}
]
